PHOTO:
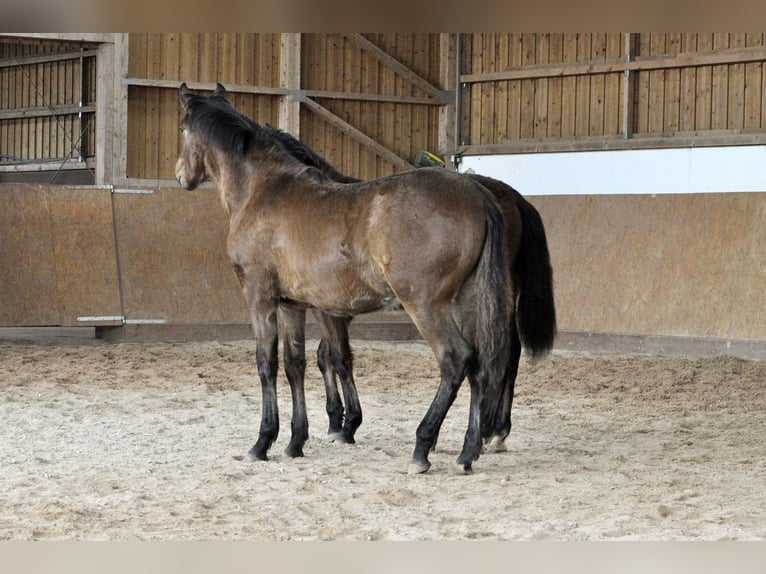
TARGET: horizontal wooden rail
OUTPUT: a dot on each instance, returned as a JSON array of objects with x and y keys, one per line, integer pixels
[
  {"x": 683, "y": 60},
  {"x": 46, "y": 58},
  {"x": 272, "y": 91},
  {"x": 47, "y": 111}
]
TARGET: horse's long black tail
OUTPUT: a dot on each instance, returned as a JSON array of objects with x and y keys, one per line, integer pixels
[
  {"x": 536, "y": 310},
  {"x": 493, "y": 311}
]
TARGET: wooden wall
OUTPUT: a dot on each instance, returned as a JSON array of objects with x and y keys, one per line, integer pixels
[
  {"x": 590, "y": 90},
  {"x": 47, "y": 103},
  {"x": 363, "y": 105},
  {"x": 153, "y": 110}
]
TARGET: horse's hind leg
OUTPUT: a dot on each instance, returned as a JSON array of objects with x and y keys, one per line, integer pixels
[
  {"x": 454, "y": 355},
  {"x": 341, "y": 358},
  {"x": 293, "y": 322},
  {"x": 334, "y": 405},
  {"x": 497, "y": 428}
]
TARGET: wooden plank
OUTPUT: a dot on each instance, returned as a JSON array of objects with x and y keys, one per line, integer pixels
[
  {"x": 555, "y": 87},
  {"x": 597, "y": 86},
  {"x": 656, "y": 98},
  {"x": 28, "y": 292},
  {"x": 484, "y": 116},
  {"x": 46, "y": 112},
  {"x": 753, "y": 87},
  {"x": 151, "y": 167},
  {"x": 719, "y": 87},
  {"x": 540, "y": 125},
  {"x": 527, "y": 118},
  {"x": 672, "y": 78},
  {"x": 395, "y": 65},
  {"x": 568, "y": 88},
  {"x": 46, "y": 58},
  {"x": 688, "y": 83},
  {"x": 290, "y": 79},
  {"x": 736, "y": 86},
  {"x": 350, "y": 130},
  {"x": 718, "y": 56},
  {"x": 582, "y": 89},
  {"x": 445, "y": 139},
  {"x": 703, "y": 90},
  {"x": 136, "y": 154}
]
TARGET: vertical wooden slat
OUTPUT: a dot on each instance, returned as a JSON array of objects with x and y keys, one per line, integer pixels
[
  {"x": 736, "y": 87},
  {"x": 720, "y": 87},
  {"x": 672, "y": 96},
  {"x": 753, "y": 87},
  {"x": 542, "y": 50},
  {"x": 582, "y": 105},
  {"x": 515, "y": 51},
  {"x": 486, "y": 114},
  {"x": 555, "y": 54},
  {"x": 527, "y": 128},
  {"x": 703, "y": 90},
  {"x": 153, "y": 70},
  {"x": 687, "y": 107},
  {"x": 597, "y": 87},
  {"x": 568, "y": 88},
  {"x": 656, "y": 120}
]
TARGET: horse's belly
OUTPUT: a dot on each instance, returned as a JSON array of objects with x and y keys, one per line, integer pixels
[{"x": 335, "y": 289}]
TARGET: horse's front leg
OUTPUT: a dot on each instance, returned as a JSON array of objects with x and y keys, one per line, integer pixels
[
  {"x": 293, "y": 323},
  {"x": 264, "y": 319}
]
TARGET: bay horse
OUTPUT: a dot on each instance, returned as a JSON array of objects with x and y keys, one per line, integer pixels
[
  {"x": 433, "y": 239},
  {"x": 533, "y": 324}
]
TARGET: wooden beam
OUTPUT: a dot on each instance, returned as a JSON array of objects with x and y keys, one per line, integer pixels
[
  {"x": 47, "y": 111},
  {"x": 391, "y": 62},
  {"x": 290, "y": 79},
  {"x": 356, "y": 96},
  {"x": 44, "y": 59},
  {"x": 683, "y": 60},
  {"x": 448, "y": 81},
  {"x": 120, "y": 121},
  {"x": 96, "y": 37},
  {"x": 207, "y": 86},
  {"x": 361, "y": 137},
  {"x": 712, "y": 138},
  {"x": 104, "y": 113}
]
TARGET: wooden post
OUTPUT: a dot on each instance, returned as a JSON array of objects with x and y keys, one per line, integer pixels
[
  {"x": 448, "y": 83},
  {"x": 290, "y": 78},
  {"x": 111, "y": 110}
]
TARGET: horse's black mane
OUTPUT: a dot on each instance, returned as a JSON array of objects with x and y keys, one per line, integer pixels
[
  {"x": 308, "y": 156},
  {"x": 224, "y": 126},
  {"x": 220, "y": 124}
]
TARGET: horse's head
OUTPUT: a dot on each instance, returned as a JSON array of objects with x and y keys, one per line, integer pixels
[
  {"x": 209, "y": 123},
  {"x": 190, "y": 167}
]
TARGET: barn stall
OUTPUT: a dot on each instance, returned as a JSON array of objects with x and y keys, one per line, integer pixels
[{"x": 96, "y": 234}]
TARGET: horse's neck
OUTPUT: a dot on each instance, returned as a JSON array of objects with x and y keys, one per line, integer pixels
[{"x": 239, "y": 180}]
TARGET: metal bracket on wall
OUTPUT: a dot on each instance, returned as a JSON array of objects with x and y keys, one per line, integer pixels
[{"x": 121, "y": 319}]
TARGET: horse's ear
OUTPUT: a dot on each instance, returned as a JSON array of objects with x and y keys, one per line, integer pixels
[
  {"x": 184, "y": 93},
  {"x": 219, "y": 90}
]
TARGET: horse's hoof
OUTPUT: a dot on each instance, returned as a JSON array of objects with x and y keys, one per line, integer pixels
[
  {"x": 335, "y": 436},
  {"x": 253, "y": 455},
  {"x": 418, "y": 467},
  {"x": 462, "y": 469},
  {"x": 495, "y": 444},
  {"x": 294, "y": 452}
]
